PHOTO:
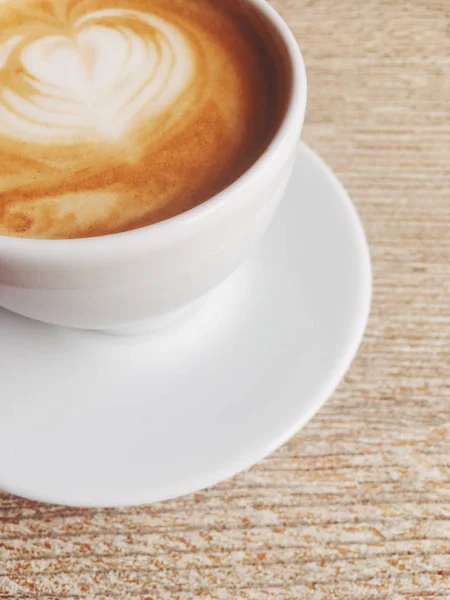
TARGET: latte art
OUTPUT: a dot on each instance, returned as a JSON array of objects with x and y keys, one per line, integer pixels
[
  {"x": 119, "y": 113},
  {"x": 109, "y": 71}
]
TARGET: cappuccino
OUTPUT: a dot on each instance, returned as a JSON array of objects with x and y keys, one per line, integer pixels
[{"x": 116, "y": 114}]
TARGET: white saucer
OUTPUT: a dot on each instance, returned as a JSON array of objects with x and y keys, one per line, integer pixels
[{"x": 93, "y": 420}]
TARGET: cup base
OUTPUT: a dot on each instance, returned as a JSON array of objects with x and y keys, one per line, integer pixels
[{"x": 156, "y": 325}]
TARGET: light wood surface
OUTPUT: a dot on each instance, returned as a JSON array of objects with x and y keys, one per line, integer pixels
[{"x": 356, "y": 506}]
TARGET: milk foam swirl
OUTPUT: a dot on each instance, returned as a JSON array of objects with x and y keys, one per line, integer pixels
[{"x": 96, "y": 75}]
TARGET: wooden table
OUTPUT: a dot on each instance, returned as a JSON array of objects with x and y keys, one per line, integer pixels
[{"x": 357, "y": 506}]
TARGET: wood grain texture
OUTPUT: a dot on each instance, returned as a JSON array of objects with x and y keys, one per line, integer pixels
[{"x": 357, "y": 506}]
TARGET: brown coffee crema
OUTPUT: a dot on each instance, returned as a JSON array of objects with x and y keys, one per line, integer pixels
[{"x": 115, "y": 114}]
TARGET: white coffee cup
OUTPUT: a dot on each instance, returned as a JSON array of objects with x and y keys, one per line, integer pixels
[{"x": 147, "y": 278}]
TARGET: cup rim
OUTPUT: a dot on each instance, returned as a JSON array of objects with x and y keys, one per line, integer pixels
[{"x": 295, "y": 113}]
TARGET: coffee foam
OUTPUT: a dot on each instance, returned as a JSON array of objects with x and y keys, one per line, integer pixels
[
  {"x": 114, "y": 115},
  {"x": 97, "y": 82}
]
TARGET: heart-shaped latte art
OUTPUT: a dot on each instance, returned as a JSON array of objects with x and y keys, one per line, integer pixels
[{"x": 108, "y": 73}]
